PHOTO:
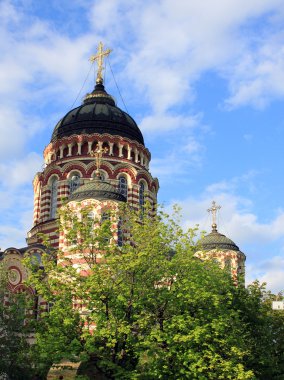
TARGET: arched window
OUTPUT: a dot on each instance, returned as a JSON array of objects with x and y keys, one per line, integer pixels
[
  {"x": 53, "y": 197},
  {"x": 74, "y": 182},
  {"x": 36, "y": 259},
  {"x": 228, "y": 264},
  {"x": 122, "y": 186},
  {"x": 106, "y": 231},
  {"x": 90, "y": 223},
  {"x": 119, "y": 233},
  {"x": 141, "y": 195},
  {"x": 90, "y": 218},
  {"x": 102, "y": 176},
  {"x": 105, "y": 216}
]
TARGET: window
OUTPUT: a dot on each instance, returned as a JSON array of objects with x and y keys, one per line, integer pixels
[
  {"x": 74, "y": 182},
  {"x": 49, "y": 306},
  {"x": 53, "y": 197},
  {"x": 90, "y": 224},
  {"x": 122, "y": 187},
  {"x": 105, "y": 217},
  {"x": 141, "y": 195},
  {"x": 90, "y": 219},
  {"x": 228, "y": 264},
  {"x": 36, "y": 259},
  {"x": 102, "y": 176},
  {"x": 119, "y": 233}
]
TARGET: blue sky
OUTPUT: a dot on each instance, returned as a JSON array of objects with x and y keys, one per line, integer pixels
[{"x": 203, "y": 80}]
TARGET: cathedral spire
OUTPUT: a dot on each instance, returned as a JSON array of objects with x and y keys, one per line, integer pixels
[
  {"x": 213, "y": 209},
  {"x": 99, "y": 57}
]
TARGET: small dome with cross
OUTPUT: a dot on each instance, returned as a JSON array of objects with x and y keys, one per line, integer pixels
[{"x": 97, "y": 189}]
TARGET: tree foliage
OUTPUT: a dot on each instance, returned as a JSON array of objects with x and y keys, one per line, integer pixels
[
  {"x": 265, "y": 330},
  {"x": 151, "y": 309},
  {"x": 15, "y": 331}
]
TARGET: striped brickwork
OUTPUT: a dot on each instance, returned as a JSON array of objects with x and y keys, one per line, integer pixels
[
  {"x": 71, "y": 156},
  {"x": 80, "y": 260},
  {"x": 233, "y": 261}
]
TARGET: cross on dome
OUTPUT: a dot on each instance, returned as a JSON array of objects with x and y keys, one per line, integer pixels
[
  {"x": 99, "y": 57},
  {"x": 98, "y": 154},
  {"x": 213, "y": 209}
]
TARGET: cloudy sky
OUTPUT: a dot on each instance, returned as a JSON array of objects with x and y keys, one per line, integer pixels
[{"x": 203, "y": 79}]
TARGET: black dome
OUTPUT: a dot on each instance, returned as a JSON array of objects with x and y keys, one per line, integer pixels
[{"x": 98, "y": 114}]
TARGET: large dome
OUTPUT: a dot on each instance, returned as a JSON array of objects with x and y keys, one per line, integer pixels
[{"x": 98, "y": 114}]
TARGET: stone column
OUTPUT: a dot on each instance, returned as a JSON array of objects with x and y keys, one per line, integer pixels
[
  {"x": 110, "y": 144},
  {"x": 79, "y": 147},
  {"x": 129, "y": 149},
  {"x": 69, "y": 150},
  {"x": 120, "y": 154},
  {"x": 136, "y": 155},
  {"x": 61, "y": 149},
  {"x": 89, "y": 146}
]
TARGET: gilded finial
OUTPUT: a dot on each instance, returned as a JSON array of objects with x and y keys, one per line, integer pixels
[
  {"x": 98, "y": 154},
  {"x": 213, "y": 209},
  {"x": 99, "y": 58}
]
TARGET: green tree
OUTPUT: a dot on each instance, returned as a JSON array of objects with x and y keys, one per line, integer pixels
[
  {"x": 15, "y": 331},
  {"x": 265, "y": 331},
  {"x": 150, "y": 308},
  {"x": 58, "y": 329}
]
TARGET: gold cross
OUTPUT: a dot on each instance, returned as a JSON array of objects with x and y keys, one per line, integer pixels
[
  {"x": 99, "y": 58},
  {"x": 214, "y": 210},
  {"x": 98, "y": 154}
]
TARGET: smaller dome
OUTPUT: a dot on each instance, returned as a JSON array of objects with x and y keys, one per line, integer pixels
[
  {"x": 215, "y": 240},
  {"x": 97, "y": 189}
]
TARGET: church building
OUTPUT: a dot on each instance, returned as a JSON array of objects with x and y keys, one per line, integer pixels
[{"x": 97, "y": 157}]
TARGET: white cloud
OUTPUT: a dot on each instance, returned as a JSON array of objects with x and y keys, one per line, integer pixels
[
  {"x": 234, "y": 184},
  {"x": 13, "y": 136},
  {"x": 236, "y": 218},
  {"x": 192, "y": 146},
  {"x": 163, "y": 168},
  {"x": 41, "y": 61},
  {"x": 16, "y": 130},
  {"x": 20, "y": 171},
  {"x": 16, "y": 212},
  {"x": 160, "y": 123},
  {"x": 270, "y": 271},
  {"x": 17, "y": 240},
  {"x": 258, "y": 78},
  {"x": 172, "y": 43},
  {"x": 8, "y": 13}
]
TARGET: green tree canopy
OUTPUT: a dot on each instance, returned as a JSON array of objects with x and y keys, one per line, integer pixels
[{"x": 150, "y": 309}]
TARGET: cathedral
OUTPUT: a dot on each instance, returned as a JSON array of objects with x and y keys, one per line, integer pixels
[{"x": 97, "y": 157}]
